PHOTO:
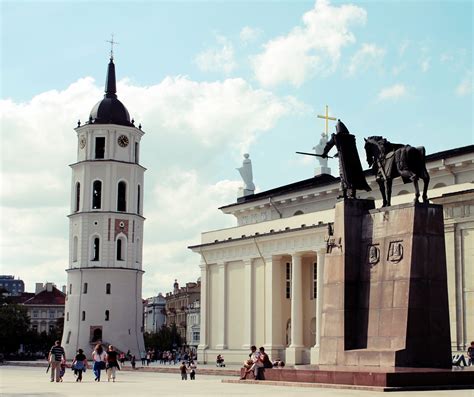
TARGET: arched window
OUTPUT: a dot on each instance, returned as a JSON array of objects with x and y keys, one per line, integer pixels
[
  {"x": 136, "y": 152},
  {"x": 83, "y": 316},
  {"x": 121, "y": 246},
  {"x": 299, "y": 212},
  {"x": 107, "y": 313},
  {"x": 75, "y": 245},
  {"x": 441, "y": 184},
  {"x": 108, "y": 288},
  {"x": 84, "y": 289},
  {"x": 96, "y": 249},
  {"x": 78, "y": 196},
  {"x": 122, "y": 196},
  {"x": 96, "y": 195},
  {"x": 138, "y": 199}
]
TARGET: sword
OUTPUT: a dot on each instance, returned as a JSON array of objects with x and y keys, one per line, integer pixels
[{"x": 313, "y": 154}]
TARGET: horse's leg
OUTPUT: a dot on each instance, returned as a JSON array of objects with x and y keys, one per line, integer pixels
[
  {"x": 388, "y": 183},
  {"x": 417, "y": 190},
  {"x": 382, "y": 191},
  {"x": 426, "y": 182}
]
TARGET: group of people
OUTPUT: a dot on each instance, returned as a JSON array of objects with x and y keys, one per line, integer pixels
[
  {"x": 256, "y": 363},
  {"x": 102, "y": 360},
  {"x": 183, "y": 369}
]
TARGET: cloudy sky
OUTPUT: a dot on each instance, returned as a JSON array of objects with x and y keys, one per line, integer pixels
[{"x": 209, "y": 81}]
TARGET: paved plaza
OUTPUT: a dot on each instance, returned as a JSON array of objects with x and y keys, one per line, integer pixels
[{"x": 33, "y": 381}]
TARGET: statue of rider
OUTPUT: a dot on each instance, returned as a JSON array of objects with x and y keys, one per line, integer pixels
[{"x": 350, "y": 168}]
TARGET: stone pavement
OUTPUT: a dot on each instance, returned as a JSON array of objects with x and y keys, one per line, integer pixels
[{"x": 33, "y": 381}]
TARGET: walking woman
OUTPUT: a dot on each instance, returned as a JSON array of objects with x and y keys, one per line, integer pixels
[
  {"x": 79, "y": 364},
  {"x": 98, "y": 355},
  {"x": 112, "y": 363}
]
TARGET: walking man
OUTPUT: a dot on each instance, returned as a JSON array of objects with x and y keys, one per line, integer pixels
[{"x": 55, "y": 357}]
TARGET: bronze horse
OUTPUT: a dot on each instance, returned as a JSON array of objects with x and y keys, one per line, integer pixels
[{"x": 389, "y": 160}]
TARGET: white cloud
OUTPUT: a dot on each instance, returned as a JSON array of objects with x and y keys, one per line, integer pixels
[
  {"x": 189, "y": 128},
  {"x": 465, "y": 86},
  {"x": 393, "y": 92},
  {"x": 248, "y": 34},
  {"x": 403, "y": 47},
  {"x": 312, "y": 48},
  {"x": 425, "y": 64},
  {"x": 217, "y": 59},
  {"x": 369, "y": 55}
]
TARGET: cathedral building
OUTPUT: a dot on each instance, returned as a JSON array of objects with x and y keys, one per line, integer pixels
[
  {"x": 104, "y": 287},
  {"x": 261, "y": 280}
]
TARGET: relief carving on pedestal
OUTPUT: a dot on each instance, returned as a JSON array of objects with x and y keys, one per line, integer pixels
[
  {"x": 373, "y": 254},
  {"x": 395, "y": 251}
]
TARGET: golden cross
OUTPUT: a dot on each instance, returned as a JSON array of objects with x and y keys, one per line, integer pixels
[
  {"x": 327, "y": 118},
  {"x": 112, "y": 42}
]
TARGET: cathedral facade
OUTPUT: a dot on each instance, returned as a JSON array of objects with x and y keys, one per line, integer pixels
[
  {"x": 104, "y": 287},
  {"x": 261, "y": 281}
]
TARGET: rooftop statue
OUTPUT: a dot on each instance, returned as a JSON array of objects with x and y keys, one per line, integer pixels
[
  {"x": 319, "y": 148},
  {"x": 390, "y": 160},
  {"x": 247, "y": 175},
  {"x": 350, "y": 168}
]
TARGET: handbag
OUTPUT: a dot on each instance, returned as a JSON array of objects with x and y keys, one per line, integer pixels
[{"x": 102, "y": 365}]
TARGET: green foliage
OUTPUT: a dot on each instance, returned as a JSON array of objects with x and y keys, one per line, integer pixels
[
  {"x": 14, "y": 322},
  {"x": 167, "y": 338}
]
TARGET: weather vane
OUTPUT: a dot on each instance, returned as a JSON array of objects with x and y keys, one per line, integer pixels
[{"x": 112, "y": 42}]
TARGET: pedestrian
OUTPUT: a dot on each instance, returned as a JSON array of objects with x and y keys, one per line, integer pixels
[
  {"x": 112, "y": 363},
  {"x": 192, "y": 373},
  {"x": 143, "y": 357},
  {"x": 55, "y": 357},
  {"x": 62, "y": 370},
  {"x": 98, "y": 355},
  {"x": 470, "y": 354},
  {"x": 184, "y": 372},
  {"x": 122, "y": 358},
  {"x": 79, "y": 364},
  {"x": 133, "y": 361}
]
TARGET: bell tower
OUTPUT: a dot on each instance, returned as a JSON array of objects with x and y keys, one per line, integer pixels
[{"x": 104, "y": 288}]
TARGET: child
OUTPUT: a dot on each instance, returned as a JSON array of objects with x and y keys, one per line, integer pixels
[
  {"x": 184, "y": 373},
  {"x": 192, "y": 374},
  {"x": 62, "y": 370}
]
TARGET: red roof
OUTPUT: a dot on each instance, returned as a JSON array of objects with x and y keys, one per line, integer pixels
[
  {"x": 22, "y": 298},
  {"x": 54, "y": 297}
]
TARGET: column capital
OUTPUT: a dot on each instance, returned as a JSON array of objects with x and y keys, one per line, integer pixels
[
  {"x": 296, "y": 254},
  {"x": 203, "y": 266},
  {"x": 247, "y": 261},
  {"x": 220, "y": 264}
]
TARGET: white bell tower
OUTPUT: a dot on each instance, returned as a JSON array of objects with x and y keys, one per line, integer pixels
[{"x": 104, "y": 288}]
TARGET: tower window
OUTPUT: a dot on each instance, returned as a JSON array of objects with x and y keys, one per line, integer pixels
[
  {"x": 83, "y": 316},
  {"x": 136, "y": 152},
  {"x": 120, "y": 249},
  {"x": 99, "y": 147},
  {"x": 96, "y": 195},
  {"x": 96, "y": 248},
  {"x": 107, "y": 288},
  {"x": 78, "y": 196},
  {"x": 107, "y": 313},
  {"x": 70, "y": 288},
  {"x": 84, "y": 289},
  {"x": 138, "y": 198},
  {"x": 122, "y": 196},
  {"x": 68, "y": 337},
  {"x": 288, "y": 281},
  {"x": 67, "y": 316}
]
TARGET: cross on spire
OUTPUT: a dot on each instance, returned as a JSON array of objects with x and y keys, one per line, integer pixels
[
  {"x": 112, "y": 42},
  {"x": 327, "y": 118}
]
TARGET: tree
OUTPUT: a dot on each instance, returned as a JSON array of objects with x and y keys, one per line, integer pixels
[
  {"x": 15, "y": 323},
  {"x": 165, "y": 339}
]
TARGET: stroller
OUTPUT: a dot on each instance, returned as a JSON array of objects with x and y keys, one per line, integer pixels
[{"x": 220, "y": 361}]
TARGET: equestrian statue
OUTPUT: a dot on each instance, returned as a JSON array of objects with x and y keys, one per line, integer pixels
[{"x": 390, "y": 160}]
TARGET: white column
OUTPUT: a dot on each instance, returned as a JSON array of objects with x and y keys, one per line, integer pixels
[
  {"x": 294, "y": 353},
  {"x": 269, "y": 306},
  {"x": 203, "y": 326},
  {"x": 296, "y": 302},
  {"x": 248, "y": 299},
  {"x": 222, "y": 336},
  {"x": 319, "y": 305}
]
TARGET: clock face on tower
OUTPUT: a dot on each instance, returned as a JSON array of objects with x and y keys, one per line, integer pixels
[
  {"x": 82, "y": 142},
  {"x": 122, "y": 141}
]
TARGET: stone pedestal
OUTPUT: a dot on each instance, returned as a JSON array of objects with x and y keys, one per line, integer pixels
[{"x": 385, "y": 288}]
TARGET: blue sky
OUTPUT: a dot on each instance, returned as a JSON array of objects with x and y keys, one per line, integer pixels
[{"x": 210, "y": 81}]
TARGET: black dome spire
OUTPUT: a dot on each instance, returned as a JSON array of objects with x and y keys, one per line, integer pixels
[{"x": 110, "y": 110}]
